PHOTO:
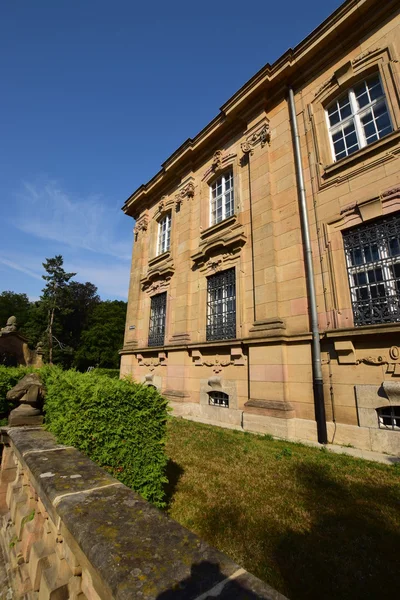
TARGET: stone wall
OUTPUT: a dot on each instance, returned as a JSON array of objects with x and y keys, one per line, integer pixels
[{"x": 71, "y": 531}]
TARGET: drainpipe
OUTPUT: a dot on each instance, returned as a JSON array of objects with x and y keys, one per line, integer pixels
[{"x": 318, "y": 386}]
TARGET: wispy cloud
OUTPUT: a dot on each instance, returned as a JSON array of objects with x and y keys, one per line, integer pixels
[
  {"x": 48, "y": 212},
  {"x": 112, "y": 280},
  {"x": 17, "y": 267}
]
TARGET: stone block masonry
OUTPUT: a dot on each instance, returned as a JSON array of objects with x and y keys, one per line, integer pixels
[{"x": 71, "y": 531}]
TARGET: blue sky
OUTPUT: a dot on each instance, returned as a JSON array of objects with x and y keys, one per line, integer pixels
[{"x": 95, "y": 96}]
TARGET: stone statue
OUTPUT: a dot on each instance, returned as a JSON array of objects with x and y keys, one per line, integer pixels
[
  {"x": 10, "y": 327},
  {"x": 29, "y": 392}
]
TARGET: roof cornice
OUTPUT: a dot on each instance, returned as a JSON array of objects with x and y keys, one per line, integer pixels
[{"x": 285, "y": 68}]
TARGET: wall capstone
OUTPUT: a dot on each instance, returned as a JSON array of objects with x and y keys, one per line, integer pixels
[{"x": 71, "y": 531}]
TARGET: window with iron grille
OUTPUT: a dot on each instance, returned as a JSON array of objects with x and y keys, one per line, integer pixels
[
  {"x": 218, "y": 399},
  {"x": 158, "y": 311},
  {"x": 373, "y": 266},
  {"x": 221, "y": 306},
  {"x": 164, "y": 234},
  {"x": 221, "y": 203},
  {"x": 389, "y": 417},
  {"x": 358, "y": 118}
]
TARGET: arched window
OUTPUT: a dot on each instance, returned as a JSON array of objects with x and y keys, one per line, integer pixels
[
  {"x": 389, "y": 417},
  {"x": 218, "y": 399}
]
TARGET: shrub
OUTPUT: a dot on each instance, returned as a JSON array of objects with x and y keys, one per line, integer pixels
[
  {"x": 9, "y": 377},
  {"x": 119, "y": 424},
  {"x": 113, "y": 373}
]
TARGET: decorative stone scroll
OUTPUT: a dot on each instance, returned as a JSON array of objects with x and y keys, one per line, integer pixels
[
  {"x": 220, "y": 161},
  {"x": 261, "y": 136},
  {"x": 236, "y": 358},
  {"x": 141, "y": 224},
  {"x": 152, "y": 363},
  {"x": 220, "y": 248},
  {"x": 158, "y": 275},
  {"x": 186, "y": 192}
]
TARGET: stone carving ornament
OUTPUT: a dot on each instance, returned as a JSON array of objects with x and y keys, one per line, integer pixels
[
  {"x": 10, "y": 327},
  {"x": 29, "y": 392}
]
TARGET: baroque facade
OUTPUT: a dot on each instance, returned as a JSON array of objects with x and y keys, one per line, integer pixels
[{"x": 220, "y": 297}]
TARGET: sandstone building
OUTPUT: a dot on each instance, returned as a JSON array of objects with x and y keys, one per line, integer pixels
[{"x": 221, "y": 297}]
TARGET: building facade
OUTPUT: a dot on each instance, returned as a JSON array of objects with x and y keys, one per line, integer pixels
[{"x": 219, "y": 306}]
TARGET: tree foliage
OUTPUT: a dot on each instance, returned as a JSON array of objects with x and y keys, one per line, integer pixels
[
  {"x": 52, "y": 296},
  {"x": 74, "y": 326},
  {"x": 17, "y": 305},
  {"x": 103, "y": 337}
]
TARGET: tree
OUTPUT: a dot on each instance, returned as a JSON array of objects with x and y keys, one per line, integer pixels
[
  {"x": 103, "y": 337},
  {"x": 57, "y": 280},
  {"x": 17, "y": 305}
]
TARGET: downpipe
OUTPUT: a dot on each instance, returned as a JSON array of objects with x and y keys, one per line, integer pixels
[{"x": 318, "y": 386}]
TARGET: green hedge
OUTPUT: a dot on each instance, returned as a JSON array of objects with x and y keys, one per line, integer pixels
[
  {"x": 119, "y": 424},
  {"x": 9, "y": 377},
  {"x": 113, "y": 373}
]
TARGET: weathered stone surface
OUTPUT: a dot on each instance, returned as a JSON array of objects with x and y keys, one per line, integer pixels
[
  {"x": 87, "y": 531},
  {"x": 28, "y": 439},
  {"x": 23, "y": 386},
  {"x": 29, "y": 392},
  {"x": 140, "y": 552}
]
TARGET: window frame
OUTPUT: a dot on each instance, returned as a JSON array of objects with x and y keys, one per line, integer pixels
[
  {"x": 228, "y": 173},
  {"x": 356, "y": 116},
  {"x": 376, "y": 256},
  {"x": 157, "y": 320},
  {"x": 215, "y": 330},
  {"x": 164, "y": 236}
]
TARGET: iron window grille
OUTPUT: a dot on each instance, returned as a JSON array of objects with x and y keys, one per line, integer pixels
[
  {"x": 373, "y": 266},
  {"x": 164, "y": 234},
  {"x": 218, "y": 399},
  {"x": 221, "y": 199},
  {"x": 221, "y": 306},
  {"x": 158, "y": 311},
  {"x": 358, "y": 118},
  {"x": 389, "y": 417}
]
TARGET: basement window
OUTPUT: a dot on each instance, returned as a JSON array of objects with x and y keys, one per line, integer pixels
[
  {"x": 389, "y": 417},
  {"x": 218, "y": 399}
]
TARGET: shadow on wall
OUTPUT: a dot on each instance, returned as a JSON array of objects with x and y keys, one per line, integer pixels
[
  {"x": 350, "y": 552},
  {"x": 205, "y": 581}
]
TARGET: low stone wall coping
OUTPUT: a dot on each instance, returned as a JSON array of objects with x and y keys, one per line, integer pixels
[{"x": 129, "y": 548}]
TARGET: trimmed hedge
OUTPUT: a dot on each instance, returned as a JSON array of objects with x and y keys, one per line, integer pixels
[
  {"x": 113, "y": 373},
  {"x": 119, "y": 424}
]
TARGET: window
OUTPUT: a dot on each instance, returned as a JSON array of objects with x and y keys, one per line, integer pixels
[
  {"x": 218, "y": 399},
  {"x": 389, "y": 417},
  {"x": 157, "y": 319},
  {"x": 358, "y": 118},
  {"x": 221, "y": 306},
  {"x": 373, "y": 265},
  {"x": 164, "y": 234},
  {"x": 221, "y": 202}
]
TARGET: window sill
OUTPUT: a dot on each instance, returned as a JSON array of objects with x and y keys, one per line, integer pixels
[
  {"x": 218, "y": 227},
  {"x": 360, "y": 155},
  {"x": 159, "y": 259},
  {"x": 376, "y": 329}
]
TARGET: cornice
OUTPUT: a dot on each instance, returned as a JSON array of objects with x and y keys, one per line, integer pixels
[{"x": 288, "y": 67}]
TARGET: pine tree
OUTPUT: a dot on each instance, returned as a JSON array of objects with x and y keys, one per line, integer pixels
[{"x": 57, "y": 280}]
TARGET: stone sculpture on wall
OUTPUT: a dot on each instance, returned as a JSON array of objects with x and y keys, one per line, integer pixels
[
  {"x": 14, "y": 349},
  {"x": 29, "y": 393}
]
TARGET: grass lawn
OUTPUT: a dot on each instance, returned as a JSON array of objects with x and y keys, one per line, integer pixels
[{"x": 312, "y": 524}]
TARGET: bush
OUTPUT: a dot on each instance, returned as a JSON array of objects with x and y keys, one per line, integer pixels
[
  {"x": 119, "y": 424},
  {"x": 9, "y": 377},
  {"x": 113, "y": 373}
]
